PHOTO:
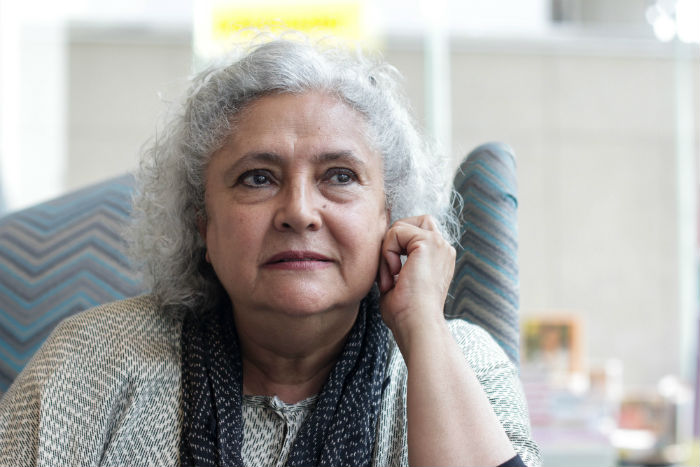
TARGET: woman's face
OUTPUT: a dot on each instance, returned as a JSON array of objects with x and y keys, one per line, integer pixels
[{"x": 295, "y": 207}]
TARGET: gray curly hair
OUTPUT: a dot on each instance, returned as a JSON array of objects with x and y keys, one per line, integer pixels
[{"x": 163, "y": 238}]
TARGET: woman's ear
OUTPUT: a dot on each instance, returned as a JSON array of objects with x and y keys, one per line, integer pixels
[
  {"x": 202, "y": 225},
  {"x": 202, "y": 228}
]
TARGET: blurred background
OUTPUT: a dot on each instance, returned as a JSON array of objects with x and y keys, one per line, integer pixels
[{"x": 599, "y": 98}]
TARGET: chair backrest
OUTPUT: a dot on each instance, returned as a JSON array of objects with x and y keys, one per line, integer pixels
[
  {"x": 67, "y": 255},
  {"x": 58, "y": 258},
  {"x": 485, "y": 287}
]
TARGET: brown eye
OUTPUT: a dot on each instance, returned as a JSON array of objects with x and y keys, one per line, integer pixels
[
  {"x": 256, "y": 178},
  {"x": 341, "y": 176}
]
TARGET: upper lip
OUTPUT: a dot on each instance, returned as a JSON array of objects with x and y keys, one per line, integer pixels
[{"x": 296, "y": 255}]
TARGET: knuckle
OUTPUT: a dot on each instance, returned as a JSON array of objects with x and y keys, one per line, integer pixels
[{"x": 436, "y": 237}]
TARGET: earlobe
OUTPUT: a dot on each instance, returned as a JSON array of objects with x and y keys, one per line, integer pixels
[{"x": 202, "y": 229}]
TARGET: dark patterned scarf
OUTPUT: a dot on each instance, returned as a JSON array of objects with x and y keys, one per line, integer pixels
[{"x": 340, "y": 431}]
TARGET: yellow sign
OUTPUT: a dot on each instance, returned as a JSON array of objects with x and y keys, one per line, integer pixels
[
  {"x": 221, "y": 24},
  {"x": 340, "y": 19}
]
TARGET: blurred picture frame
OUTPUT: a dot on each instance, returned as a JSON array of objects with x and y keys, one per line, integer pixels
[{"x": 552, "y": 342}]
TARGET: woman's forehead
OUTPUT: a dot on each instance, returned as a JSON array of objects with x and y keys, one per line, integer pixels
[
  {"x": 309, "y": 106},
  {"x": 313, "y": 121}
]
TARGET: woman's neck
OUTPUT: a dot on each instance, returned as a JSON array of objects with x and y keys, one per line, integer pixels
[{"x": 289, "y": 356}]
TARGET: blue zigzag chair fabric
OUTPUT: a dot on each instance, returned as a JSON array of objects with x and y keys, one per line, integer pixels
[
  {"x": 58, "y": 258},
  {"x": 67, "y": 255},
  {"x": 485, "y": 287}
]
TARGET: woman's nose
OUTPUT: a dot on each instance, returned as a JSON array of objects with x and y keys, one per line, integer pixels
[{"x": 299, "y": 208}]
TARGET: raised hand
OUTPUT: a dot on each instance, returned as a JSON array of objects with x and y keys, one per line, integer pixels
[
  {"x": 450, "y": 419},
  {"x": 413, "y": 294}
]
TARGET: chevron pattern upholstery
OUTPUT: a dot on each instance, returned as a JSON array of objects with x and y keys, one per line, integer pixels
[
  {"x": 56, "y": 259},
  {"x": 485, "y": 287}
]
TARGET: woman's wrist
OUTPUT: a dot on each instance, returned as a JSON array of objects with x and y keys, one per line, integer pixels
[{"x": 420, "y": 334}]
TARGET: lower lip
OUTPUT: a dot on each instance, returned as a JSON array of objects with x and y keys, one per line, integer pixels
[{"x": 299, "y": 265}]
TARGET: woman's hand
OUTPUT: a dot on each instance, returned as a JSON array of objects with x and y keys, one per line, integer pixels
[
  {"x": 450, "y": 419},
  {"x": 413, "y": 295}
]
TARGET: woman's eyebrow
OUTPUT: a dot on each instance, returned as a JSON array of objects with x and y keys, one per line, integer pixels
[
  {"x": 268, "y": 157},
  {"x": 347, "y": 157},
  {"x": 264, "y": 156},
  {"x": 342, "y": 156}
]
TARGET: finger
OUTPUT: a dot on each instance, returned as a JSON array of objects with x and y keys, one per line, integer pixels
[
  {"x": 431, "y": 224},
  {"x": 392, "y": 258},
  {"x": 425, "y": 222},
  {"x": 385, "y": 278},
  {"x": 400, "y": 240}
]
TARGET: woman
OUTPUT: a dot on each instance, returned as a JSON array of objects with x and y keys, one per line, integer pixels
[{"x": 290, "y": 184}]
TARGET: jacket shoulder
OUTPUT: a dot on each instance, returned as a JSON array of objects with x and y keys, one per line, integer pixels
[
  {"x": 103, "y": 381},
  {"x": 122, "y": 337}
]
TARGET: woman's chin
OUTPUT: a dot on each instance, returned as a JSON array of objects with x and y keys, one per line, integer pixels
[
  {"x": 293, "y": 297},
  {"x": 306, "y": 300},
  {"x": 301, "y": 304}
]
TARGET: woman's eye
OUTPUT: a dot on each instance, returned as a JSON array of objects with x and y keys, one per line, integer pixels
[
  {"x": 341, "y": 176},
  {"x": 256, "y": 178}
]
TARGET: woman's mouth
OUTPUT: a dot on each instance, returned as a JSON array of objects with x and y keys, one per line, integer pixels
[{"x": 297, "y": 260}]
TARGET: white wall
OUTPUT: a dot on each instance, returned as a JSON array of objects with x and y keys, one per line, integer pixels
[
  {"x": 120, "y": 84},
  {"x": 32, "y": 104}
]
